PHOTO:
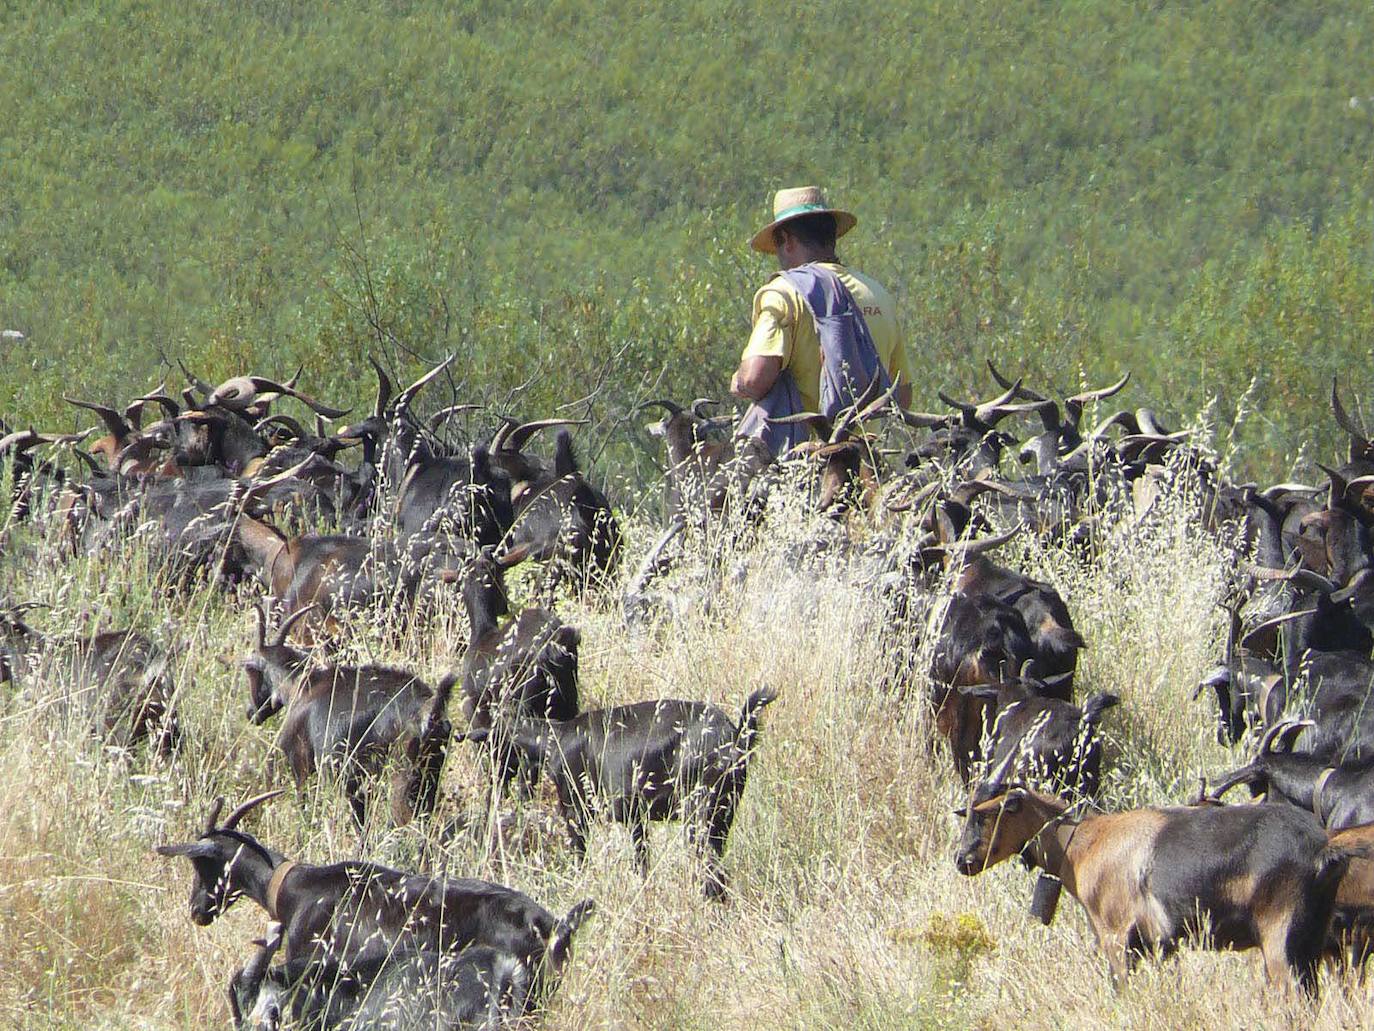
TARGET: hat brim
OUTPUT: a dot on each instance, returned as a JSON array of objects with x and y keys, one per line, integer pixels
[{"x": 763, "y": 239}]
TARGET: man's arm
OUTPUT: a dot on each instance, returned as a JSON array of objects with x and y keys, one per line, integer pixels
[{"x": 755, "y": 376}]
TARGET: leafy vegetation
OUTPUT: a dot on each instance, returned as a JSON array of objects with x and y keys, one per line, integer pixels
[{"x": 1075, "y": 188}]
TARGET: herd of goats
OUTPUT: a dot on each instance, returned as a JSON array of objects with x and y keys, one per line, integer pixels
[{"x": 223, "y": 486}]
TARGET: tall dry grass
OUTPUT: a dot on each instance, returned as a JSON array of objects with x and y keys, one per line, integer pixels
[{"x": 845, "y": 909}]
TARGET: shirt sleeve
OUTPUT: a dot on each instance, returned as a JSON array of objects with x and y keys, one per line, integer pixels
[{"x": 774, "y": 321}]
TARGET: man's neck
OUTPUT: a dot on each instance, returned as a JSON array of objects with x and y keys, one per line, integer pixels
[{"x": 826, "y": 255}]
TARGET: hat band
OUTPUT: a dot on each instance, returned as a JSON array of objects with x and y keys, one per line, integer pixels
[{"x": 799, "y": 209}]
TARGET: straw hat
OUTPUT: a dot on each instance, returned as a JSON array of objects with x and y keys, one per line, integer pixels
[{"x": 800, "y": 200}]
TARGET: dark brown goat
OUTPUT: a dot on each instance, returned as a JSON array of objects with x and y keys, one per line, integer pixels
[
  {"x": 338, "y": 573},
  {"x": 355, "y": 913},
  {"x": 133, "y": 694},
  {"x": 659, "y": 760},
  {"x": 558, "y": 514},
  {"x": 524, "y": 668},
  {"x": 1236, "y": 877},
  {"x": 1054, "y": 640},
  {"x": 693, "y": 457},
  {"x": 353, "y": 719},
  {"x": 1043, "y": 740}
]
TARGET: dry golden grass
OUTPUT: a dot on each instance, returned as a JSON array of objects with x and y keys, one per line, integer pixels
[{"x": 845, "y": 908}]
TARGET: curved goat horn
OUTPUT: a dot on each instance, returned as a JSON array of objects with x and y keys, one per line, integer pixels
[
  {"x": 195, "y": 381},
  {"x": 672, "y": 407},
  {"x": 236, "y": 394},
  {"x": 924, "y": 420},
  {"x": 292, "y": 620},
  {"x": 699, "y": 406},
  {"x": 977, "y": 546},
  {"x": 168, "y": 405},
  {"x": 384, "y": 388},
  {"x": 1100, "y": 394},
  {"x": 26, "y": 439},
  {"x": 1149, "y": 422},
  {"x": 912, "y": 500},
  {"x": 291, "y": 425},
  {"x": 981, "y": 412},
  {"x": 514, "y": 438},
  {"x": 1241, "y": 776},
  {"x": 1024, "y": 393},
  {"x": 407, "y": 395},
  {"x": 970, "y": 489},
  {"x": 247, "y": 807},
  {"x": 1343, "y": 419},
  {"x": 1284, "y": 731},
  {"x": 873, "y": 400},
  {"x": 1304, "y": 578},
  {"x": 212, "y": 820},
  {"x": 242, "y": 391},
  {"x": 113, "y": 421},
  {"x": 443, "y": 415}
]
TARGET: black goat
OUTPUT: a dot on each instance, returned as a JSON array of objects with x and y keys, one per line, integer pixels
[
  {"x": 659, "y": 760},
  {"x": 352, "y": 719},
  {"x": 558, "y": 514},
  {"x": 477, "y": 988},
  {"x": 1042, "y": 740},
  {"x": 1054, "y": 640},
  {"x": 523, "y": 668},
  {"x": 357, "y": 913},
  {"x": 1339, "y": 796}
]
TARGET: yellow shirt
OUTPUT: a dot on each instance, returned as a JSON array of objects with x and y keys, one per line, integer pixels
[{"x": 784, "y": 328}]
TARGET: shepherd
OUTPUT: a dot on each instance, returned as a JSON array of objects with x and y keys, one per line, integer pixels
[{"x": 821, "y": 331}]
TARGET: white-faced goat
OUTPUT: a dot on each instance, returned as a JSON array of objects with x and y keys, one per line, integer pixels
[
  {"x": 477, "y": 988},
  {"x": 352, "y": 719},
  {"x": 658, "y": 760},
  {"x": 1234, "y": 877},
  {"x": 354, "y": 915}
]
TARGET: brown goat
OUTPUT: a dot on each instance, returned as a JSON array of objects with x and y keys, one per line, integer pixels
[{"x": 1238, "y": 877}]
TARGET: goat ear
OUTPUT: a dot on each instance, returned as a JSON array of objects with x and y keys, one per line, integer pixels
[
  {"x": 189, "y": 849},
  {"x": 961, "y": 812}
]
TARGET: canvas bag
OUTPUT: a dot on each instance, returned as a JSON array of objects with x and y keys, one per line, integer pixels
[{"x": 849, "y": 361}]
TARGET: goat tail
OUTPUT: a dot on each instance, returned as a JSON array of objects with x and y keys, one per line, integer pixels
[
  {"x": 749, "y": 716},
  {"x": 560, "y": 940}
]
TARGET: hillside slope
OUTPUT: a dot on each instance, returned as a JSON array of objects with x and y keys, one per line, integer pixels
[{"x": 1170, "y": 187}]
